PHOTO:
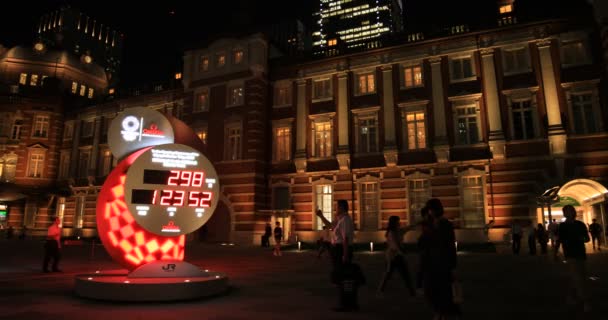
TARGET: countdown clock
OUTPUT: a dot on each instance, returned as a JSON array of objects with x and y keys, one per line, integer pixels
[{"x": 171, "y": 190}]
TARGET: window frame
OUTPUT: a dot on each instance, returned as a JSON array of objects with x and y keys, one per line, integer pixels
[
  {"x": 471, "y": 58},
  {"x": 325, "y": 118},
  {"x": 317, "y": 223},
  {"x": 517, "y": 69},
  {"x": 235, "y": 53},
  {"x": 39, "y": 168},
  {"x": 362, "y": 115},
  {"x": 203, "y": 65},
  {"x": 276, "y": 152},
  {"x": 277, "y": 103},
  {"x": 472, "y": 174},
  {"x": 197, "y": 106},
  {"x": 329, "y": 89},
  {"x": 220, "y": 56},
  {"x": 229, "y": 96},
  {"x": 579, "y": 89},
  {"x": 361, "y": 182},
  {"x": 464, "y": 104},
  {"x": 582, "y": 60},
  {"x": 362, "y": 91},
  {"x": 520, "y": 96},
  {"x": 412, "y": 67},
  {"x": 228, "y": 153},
  {"x": 35, "y": 124},
  {"x": 412, "y": 211}
]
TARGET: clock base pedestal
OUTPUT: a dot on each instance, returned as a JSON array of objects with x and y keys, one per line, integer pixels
[{"x": 156, "y": 281}]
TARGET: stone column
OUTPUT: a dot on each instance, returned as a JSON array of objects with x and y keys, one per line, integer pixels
[
  {"x": 388, "y": 104},
  {"x": 496, "y": 136},
  {"x": 343, "y": 154},
  {"x": 98, "y": 122},
  {"x": 440, "y": 143},
  {"x": 300, "y": 156},
  {"x": 557, "y": 135}
]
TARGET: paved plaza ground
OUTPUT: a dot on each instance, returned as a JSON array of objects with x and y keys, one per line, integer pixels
[{"x": 294, "y": 286}]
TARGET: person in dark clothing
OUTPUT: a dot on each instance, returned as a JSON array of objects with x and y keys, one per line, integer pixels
[
  {"x": 516, "y": 233},
  {"x": 278, "y": 237},
  {"x": 595, "y": 229},
  {"x": 395, "y": 257},
  {"x": 439, "y": 272},
  {"x": 426, "y": 228},
  {"x": 532, "y": 241},
  {"x": 543, "y": 237},
  {"x": 10, "y": 232},
  {"x": 266, "y": 236},
  {"x": 572, "y": 236}
]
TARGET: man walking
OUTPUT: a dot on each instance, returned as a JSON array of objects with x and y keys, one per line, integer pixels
[
  {"x": 52, "y": 247},
  {"x": 572, "y": 235},
  {"x": 595, "y": 229}
]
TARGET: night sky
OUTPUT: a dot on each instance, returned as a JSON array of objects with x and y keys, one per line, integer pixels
[{"x": 156, "y": 33}]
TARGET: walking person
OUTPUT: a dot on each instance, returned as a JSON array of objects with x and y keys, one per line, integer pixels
[
  {"x": 595, "y": 229},
  {"x": 439, "y": 273},
  {"x": 343, "y": 230},
  {"x": 395, "y": 257},
  {"x": 543, "y": 237},
  {"x": 516, "y": 234},
  {"x": 426, "y": 229},
  {"x": 278, "y": 237},
  {"x": 572, "y": 236},
  {"x": 52, "y": 247}
]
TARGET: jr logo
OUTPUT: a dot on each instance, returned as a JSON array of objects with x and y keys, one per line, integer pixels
[{"x": 170, "y": 267}]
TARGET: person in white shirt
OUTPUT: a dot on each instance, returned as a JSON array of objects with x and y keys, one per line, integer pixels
[
  {"x": 342, "y": 236},
  {"x": 52, "y": 247}
]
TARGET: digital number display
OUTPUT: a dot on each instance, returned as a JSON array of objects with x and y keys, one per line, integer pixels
[
  {"x": 174, "y": 198},
  {"x": 174, "y": 177}
]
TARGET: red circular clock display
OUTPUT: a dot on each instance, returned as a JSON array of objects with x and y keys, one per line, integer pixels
[{"x": 171, "y": 189}]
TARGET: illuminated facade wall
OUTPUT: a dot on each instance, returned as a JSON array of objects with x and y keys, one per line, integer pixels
[
  {"x": 354, "y": 23},
  {"x": 485, "y": 127}
]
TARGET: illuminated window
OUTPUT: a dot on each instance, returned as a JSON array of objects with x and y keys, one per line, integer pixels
[
  {"x": 369, "y": 206},
  {"x": 91, "y": 91},
  {"x": 221, "y": 60},
  {"x": 64, "y": 165},
  {"x": 23, "y": 78},
  {"x": 68, "y": 130},
  {"x": 323, "y": 202},
  {"x": 282, "y": 143},
  {"x": 10, "y": 168},
  {"x": 473, "y": 213},
  {"x": 583, "y": 115},
  {"x": 83, "y": 90},
  {"x": 35, "y": 165},
  {"x": 106, "y": 163},
  {"x": 202, "y": 101},
  {"x": 238, "y": 56},
  {"x": 516, "y": 60},
  {"x": 111, "y": 91},
  {"x": 84, "y": 157},
  {"x": 467, "y": 124},
  {"x": 75, "y": 87},
  {"x": 16, "y": 130},
  {"x": 322, "y": 89},
  {"x": 202, "y": 134},
  {"x": 42, "y": 80},
  {"x": 235, "y": 96},
  {"x": 523, "y": 119},
  {"x": 204, "y": 64},
  {"x": 41, "y": 127},
  {"x": 412, "y": 76},
  {"x": 158, "y": 88},
  {"x": 573, "y": 53},
  {"x": 332, "y": 42},
  {"x": 461, "y": 68},
  {"x": 367, "y": 133},
  {"x": 282, "y": 95},
  {"x": 233, "y": 142},
  {"x": 87, "y": 128},
  {"x": 178, "y": 76},
  {"x": 415, "y": 130},
  {"x": 323, "y": 140},
  {"x": 366, "y": 83},
  {"x": 507, "y": 8},
  {"x": 34, "y": 80},
  {"x": 418, "y": 192}
]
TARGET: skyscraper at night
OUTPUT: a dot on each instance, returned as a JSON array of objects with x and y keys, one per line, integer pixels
[{"x": 350, "y": 24}]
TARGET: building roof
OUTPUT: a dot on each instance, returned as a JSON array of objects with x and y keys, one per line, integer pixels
[{"x": 53, "y": 56}]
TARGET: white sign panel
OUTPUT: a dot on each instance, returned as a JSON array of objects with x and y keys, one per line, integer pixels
[{"x": 137, "y": 128}]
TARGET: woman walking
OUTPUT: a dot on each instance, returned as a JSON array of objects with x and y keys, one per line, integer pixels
[
  {"x": 441, "y": 264},
  {"x": 395, "y": 258}
]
